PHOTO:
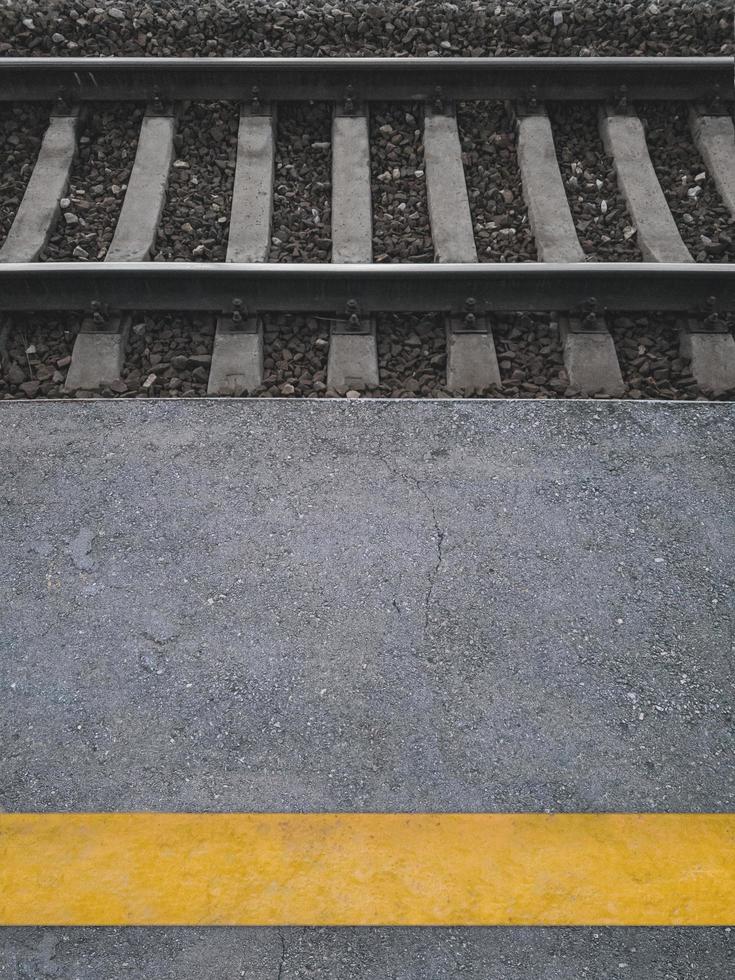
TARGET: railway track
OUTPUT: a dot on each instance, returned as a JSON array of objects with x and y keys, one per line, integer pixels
[{"x": 353, "y": 289}]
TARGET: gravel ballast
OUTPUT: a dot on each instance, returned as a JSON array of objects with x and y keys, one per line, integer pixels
[
  {"x": 705, "y": 224},
  {"x": 295, "y": 350},
  {"x": 35, "y": 354},
  {"x": 341, "y": 27},
  {"x": 97, "y": 184},
  {"x": 196, "y": 216},
  {"x": 401, "y": 231},
  {"x": 412, "y": 357},
  {"x": 169, "y": 355},
  {"x": 493, "y": 179},
  {"x": 21, "y": 131},
  {"x": 604, "y": 227},
  {"x": 650, "y": 362},
  {"x": 302, "y": 189},
  {"x": 530, "y": 357}
]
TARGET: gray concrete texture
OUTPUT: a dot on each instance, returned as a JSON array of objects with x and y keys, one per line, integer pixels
[
  {"x": 368, "y": 954},
  {"x": 367, "y": 606},
  {"x": 371, "y": 606}
]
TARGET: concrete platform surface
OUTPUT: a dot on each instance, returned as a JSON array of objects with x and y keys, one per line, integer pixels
[{"x": 276, "y": 605}]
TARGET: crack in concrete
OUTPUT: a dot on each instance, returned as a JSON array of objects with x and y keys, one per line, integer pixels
[
  {"x": 439, "y": 535},
  {"x": 437, "y": 567},
  {"x": 282, "y": 959}
]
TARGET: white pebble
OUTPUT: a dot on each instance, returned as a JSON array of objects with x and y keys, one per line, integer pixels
[
  {"x": 558, "y": 18},
  {"x": 71, "y": 219}
]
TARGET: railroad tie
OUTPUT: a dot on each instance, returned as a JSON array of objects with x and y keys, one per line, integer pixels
[
  {"x": 137, "y": 226},
  {"x": 472, "y": 362},
  {"x": 625, "y": 141},
  {"x": 99, "y": 348},
  {"x": 714, "y": 137},
  {"x": 710, "y": 349},
  {"x": 237, "y": 355},
  {"x": 39, "y": 210},
  {"x": 353, "y": 348},
  {"x": 712, "y": 352},
  {"x": 543, "y": 191},
  {"x": 590, "y": 358}
]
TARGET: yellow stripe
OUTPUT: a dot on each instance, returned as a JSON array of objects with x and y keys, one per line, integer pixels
[{"x": 367, "y": 869}]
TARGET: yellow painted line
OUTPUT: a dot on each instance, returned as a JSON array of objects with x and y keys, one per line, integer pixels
[{"x": 367, "y": 869}]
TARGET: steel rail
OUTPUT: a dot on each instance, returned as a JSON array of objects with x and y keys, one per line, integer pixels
[
  {"x": 405, "y": 287},
  {"x": 365, "y": 79}
]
